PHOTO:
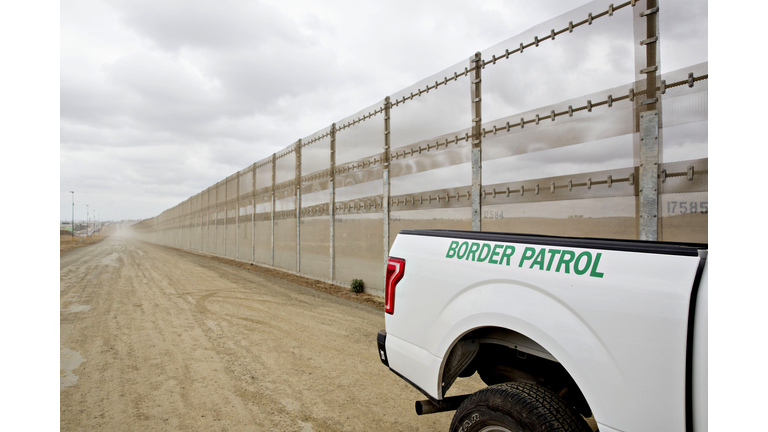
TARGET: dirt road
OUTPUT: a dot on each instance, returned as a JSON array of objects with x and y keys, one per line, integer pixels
[
  {"x": 67, "y": 243},
  {"x": 159, "y": 339}
]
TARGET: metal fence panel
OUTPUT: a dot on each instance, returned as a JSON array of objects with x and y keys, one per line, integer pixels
[{"x": 594, "y": 123}]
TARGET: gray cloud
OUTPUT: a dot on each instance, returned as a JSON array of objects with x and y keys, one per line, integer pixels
[{"x": 223, "y": 25}]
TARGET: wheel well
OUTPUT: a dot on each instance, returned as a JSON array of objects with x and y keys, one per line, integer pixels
[{"x": 502, "y": 355}]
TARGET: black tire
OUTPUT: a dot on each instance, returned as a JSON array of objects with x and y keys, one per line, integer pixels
[{"x": 516, "y": 407}]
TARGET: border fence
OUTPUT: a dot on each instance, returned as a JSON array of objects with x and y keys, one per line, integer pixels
[{"x": 598, "y": 128}]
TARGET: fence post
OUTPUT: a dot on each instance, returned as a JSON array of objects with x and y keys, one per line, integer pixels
[
  {"x": 274, "y": 159},
  {"x": 237, "y": 217},
  {"x": 650, "y": 109},
  {"x": 298, "y": 206},
  {"x": 208, "y": 223},
  {"x": 226, "y": 212},
  {"x": 216, "y": 221},
  {"x": 385, "y": 193},
  {"x": 332, "y": 201},
  {"x": 253, "y": 217},
  {"x": 476, "y": 64}
]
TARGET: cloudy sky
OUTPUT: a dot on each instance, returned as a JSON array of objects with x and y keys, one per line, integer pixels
[{"x": 159, "y": 100}]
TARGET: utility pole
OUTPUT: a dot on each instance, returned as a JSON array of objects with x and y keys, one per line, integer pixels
[{"x": 86, "y": 221}]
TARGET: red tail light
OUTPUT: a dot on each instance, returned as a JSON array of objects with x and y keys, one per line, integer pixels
[{"x": 395, "y": 272}]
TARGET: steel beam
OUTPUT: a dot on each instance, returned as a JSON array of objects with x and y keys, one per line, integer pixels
[
  {"x": 475, "y": 75},
  {"x": 386, "y": 189},
  {"x": 274, "y": 159},
  {"x": 298, "y": 205},
  {"x": 648, "y": 127},
  {"x": 332, "y": 202}
]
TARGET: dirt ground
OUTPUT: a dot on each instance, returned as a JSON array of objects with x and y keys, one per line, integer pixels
[
  {"x": 66, "y": 243},
  {"x": 332, "y": 289},
  {"x": 153, "y": 338}
]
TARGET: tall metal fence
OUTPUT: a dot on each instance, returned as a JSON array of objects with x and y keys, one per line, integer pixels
[{"x": 592, "y": 124}]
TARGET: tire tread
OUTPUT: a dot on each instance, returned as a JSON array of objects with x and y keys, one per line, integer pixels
[{"x": 532, "y": 403}]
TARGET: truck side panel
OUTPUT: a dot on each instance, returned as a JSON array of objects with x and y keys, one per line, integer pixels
[
  {"x": 616, "y": 320},
  {"x": 700, "y": 358}
]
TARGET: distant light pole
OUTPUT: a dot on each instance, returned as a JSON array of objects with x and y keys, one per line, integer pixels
[{"x": 73, "y": 214}]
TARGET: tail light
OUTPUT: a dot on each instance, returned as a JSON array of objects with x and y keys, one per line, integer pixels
[{"x": 395, "y": 272}]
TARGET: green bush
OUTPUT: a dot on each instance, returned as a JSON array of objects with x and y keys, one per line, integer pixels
[{"x": 356, "y": 286}]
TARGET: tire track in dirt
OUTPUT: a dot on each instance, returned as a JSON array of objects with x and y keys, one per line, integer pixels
[{"x": 177, "y": 341}]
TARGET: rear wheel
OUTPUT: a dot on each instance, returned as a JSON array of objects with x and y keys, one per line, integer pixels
[{"x": 516, "y": 407}]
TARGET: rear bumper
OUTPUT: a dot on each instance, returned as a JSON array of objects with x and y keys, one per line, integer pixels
[
  {"x": 411, "y": 363},
  {"x": 381, "y": 341}
]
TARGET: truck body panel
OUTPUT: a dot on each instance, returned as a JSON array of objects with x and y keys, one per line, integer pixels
[
  {"x": 617, "y": 320},
  {"x": 700, "y": 384}
]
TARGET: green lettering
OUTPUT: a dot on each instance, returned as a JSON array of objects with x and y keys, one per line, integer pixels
[
  {"x": 581, "y": 271},
  {"x": 473, "y": 248},
  {"x": 452, "y": 249},
  {"x": 567, "y": 261},
  {"x": 527, "y": 254},
  {"x": 485, "y": 248},
  {"x": 594, "y": 272},
  {"x": 508, "y": 252},
  {"x": 539, "y": 260},
  {"x": 459, "y": 253},
  {"x": 552, "y": 254},
  {"x": 495, "y": 253}
]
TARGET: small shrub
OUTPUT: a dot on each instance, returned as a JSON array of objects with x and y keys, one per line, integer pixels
[{"x": 357, "y": 285}]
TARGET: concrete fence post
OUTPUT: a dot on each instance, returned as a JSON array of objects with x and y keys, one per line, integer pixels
[
  {"x": 476, "y": 64},
  {"x": 649, "y": 110}
]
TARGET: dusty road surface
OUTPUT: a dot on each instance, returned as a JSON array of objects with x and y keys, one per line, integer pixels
[
  {"x": 68, "y": 243},
  {"x": 158, "y": 339}
]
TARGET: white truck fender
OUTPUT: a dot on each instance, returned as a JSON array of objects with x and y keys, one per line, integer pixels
[{"x": 568, "y": 339}]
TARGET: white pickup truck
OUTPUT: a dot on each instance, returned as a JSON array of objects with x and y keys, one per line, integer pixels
[{"x": 569, "y": 334}]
